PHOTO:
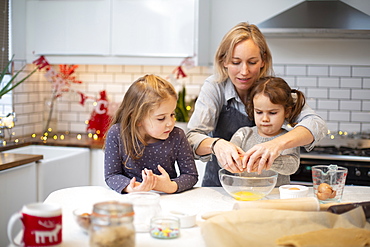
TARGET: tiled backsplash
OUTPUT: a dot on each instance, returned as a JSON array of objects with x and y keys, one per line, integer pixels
[{"x": 340, "y": 94}]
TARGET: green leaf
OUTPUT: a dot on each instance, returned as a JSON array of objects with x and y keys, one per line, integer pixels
[
  {"x": 3, "y": 73},
  {"x": 182, "y": 114},
  {"x": 8, "y": 87}
]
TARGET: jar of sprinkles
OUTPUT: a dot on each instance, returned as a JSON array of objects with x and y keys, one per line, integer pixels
[{"x": 165, "y": 227}]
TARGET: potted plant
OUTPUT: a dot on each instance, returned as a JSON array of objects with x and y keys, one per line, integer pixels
[
  {"x": 8, "y": 86},
  {"x": 183, "y": 109},
  {"x": 182, "y": 112}
]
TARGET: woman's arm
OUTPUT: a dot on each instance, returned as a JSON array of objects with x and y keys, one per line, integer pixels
[
  {"x": 267, "y": 152},
  {"x": 311, "y": 128},
  {"x": 204, "y": 119},
  {"x": 188, "y": 176},
  {"x": 288, "y": 162}
]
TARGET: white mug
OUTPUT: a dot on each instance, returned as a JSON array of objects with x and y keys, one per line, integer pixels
[{"x": 42, "y": 225}]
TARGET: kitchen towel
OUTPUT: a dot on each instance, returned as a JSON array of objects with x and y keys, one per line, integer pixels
[{"x": 262, "y": 227}]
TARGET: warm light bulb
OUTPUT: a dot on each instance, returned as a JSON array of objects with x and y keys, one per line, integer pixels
[
  {"x": 79, "y": 137},
  {"x": 90, "y": 135},
  {"x": 33, "y": 135},
  {"x": 55, "y": 137},
  {"x": 96, "y": 137},
  {"x": 62, "y": 137},
  {"x": 16, "y": 140}
]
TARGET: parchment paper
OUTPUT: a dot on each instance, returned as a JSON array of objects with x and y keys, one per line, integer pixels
[{"x": 261, "y": 227}]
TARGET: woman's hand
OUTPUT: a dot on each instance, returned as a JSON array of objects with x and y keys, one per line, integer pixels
[
  {"x": 261, "y": 156},
  {"x": 254, "y": 167},
  {"x": 229, "y": 156},
  {"x": 164, "y": 182},
  {"x": 148, "y": 183}
]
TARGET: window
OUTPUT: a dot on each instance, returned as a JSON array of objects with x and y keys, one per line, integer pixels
[
  {"x": 6, "y": 101},
  {"x": 4, "y": 33}
]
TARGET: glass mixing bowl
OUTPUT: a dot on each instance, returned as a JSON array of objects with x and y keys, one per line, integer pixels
[{"x": 248, "y": 186}]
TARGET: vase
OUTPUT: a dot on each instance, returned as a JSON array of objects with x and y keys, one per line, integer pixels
[{"x": 50, "y": 116}]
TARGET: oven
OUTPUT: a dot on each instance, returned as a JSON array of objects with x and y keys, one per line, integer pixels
[{"x": 352, "y": 153}]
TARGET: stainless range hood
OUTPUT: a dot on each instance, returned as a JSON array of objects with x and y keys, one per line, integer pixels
[{"x": 318, "y": 19}]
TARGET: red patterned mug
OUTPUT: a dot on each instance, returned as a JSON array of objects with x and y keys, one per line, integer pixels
[{"x": 42, "y": 225}]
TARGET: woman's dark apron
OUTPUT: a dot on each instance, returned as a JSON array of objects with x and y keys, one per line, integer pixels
[{"x": 229, "y": 121}]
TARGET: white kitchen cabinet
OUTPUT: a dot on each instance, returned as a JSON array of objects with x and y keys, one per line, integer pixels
[
  {"x": 153, "y": 28},
  {"x": 76, "y": 27},
  {"x": 18, "y": 187},
  {"x": 61, "y": 167},
  {"x": 97, "y": 168},
  {"x": 132, "y": 32}
]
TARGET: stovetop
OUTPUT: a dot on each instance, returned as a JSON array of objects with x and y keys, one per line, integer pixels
[
  {"x": 341, "y": 151},
  {"x": 350, "y": 148},
  {"x": 350, "y": 151}
]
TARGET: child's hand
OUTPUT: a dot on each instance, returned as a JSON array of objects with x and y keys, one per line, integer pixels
[
  {"x": 164, "y": 182},
  {"x": 148, "y": 183}
]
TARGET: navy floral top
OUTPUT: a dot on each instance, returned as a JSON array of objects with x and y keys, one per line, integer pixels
[{"x": 175, "y": 149}]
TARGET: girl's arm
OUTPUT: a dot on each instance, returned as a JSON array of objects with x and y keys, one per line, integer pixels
[{"x": 113, "y": 165}]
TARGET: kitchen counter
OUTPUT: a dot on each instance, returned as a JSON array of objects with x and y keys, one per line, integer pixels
[
  {"x": 199, "y": 200},
  {"x": 70, "y": 140},
  {"x": 8, "y": 160}
]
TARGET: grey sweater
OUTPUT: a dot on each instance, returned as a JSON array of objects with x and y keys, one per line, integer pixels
[{"x": 288, "y": 161}]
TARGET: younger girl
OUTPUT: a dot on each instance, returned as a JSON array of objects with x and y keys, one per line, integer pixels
[
  {"x": 271, "y": 105},
  {"x": 142, "y": 143}
]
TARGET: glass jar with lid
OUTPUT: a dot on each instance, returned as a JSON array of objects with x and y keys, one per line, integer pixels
[
  {"x": 112, "y": 225},
  {"x": 146, "y": 206}
]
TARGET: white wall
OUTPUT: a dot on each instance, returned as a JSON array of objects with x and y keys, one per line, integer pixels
[
  {"x": 334, "y": 74},
  {"x": 226, "y": 14},
  {"x": 320, "y": 51}
]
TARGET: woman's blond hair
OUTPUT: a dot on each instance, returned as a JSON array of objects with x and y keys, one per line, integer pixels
[
  {"x": 144, "y": 95},
  {"x": 240, "y": 32}
]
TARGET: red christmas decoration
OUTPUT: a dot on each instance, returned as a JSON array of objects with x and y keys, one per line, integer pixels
[
  {"x": 41, "y": 62},
  {"x": 99, "y": 120}
]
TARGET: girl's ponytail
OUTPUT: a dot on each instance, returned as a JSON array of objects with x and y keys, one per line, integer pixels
[{"x": 296, "y": 109}]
